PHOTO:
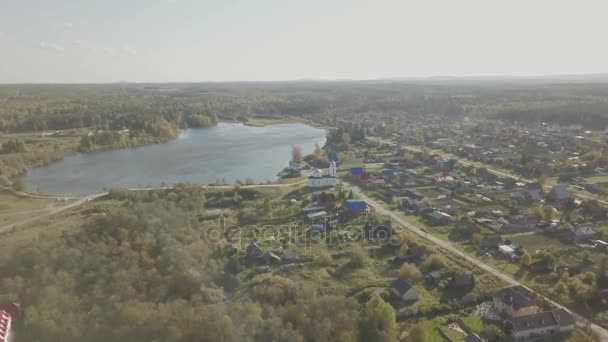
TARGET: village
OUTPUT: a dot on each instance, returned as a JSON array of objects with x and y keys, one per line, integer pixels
[
  {"x": 540, "y": 233},
  {"x": 526, "y": 200}
]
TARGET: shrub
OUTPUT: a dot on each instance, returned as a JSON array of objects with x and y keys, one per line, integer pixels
[
  {"x": 358, "y": 257},
  {"x": 410, "y": 272},
  {"x": 323, "y": 259}
]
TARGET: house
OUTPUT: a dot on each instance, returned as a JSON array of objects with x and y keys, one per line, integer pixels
[
  {"x": 416, "y": 205},
  {"x": 405, "y": 290},
  {"x": 491, "y": 241},
  {"x": 414, "y": 254},
  {"x": 388, "y": 173},
  {"x": 290, "y": 257},
  {"x": 439, "y": 218},
  {"x": 582, "y": 233},
  {"x": 316, "y": 215},
  {"x": 540, "y": 325},
  {"x": 534, "y": 186},
  {"x": 378, "y": 182},
  {"x": 514, "y": 302},
  {"x": 356, "y": 206},
  {"x": 254, "y": 251},
  {"x": 356, "y": 172},
  {"x": 318, "y": 180},
  {"x": 542, "y": 266},
  {"x": 8, "y": 313},
  {"x": 327, "y": 201},
  {"x": 405, "y": 179},
  {"x": 433, "y": 278},
  {"x": 507, "y": 251},
  {"x": 413, "y": 194},
  {"x": 559, "y": 194},
  {"x": 460, "y": 280},
  {"x": 597, "y": 187},
  {"x": 466, "y": 227},
  {"x": 311, "y": 210}
]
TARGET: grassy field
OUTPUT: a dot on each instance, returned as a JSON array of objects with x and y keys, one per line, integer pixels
[
  {"x": 14, "y": 208},
  {"x": 596, "y": 179},
  {"x": 536, "y": 242}
]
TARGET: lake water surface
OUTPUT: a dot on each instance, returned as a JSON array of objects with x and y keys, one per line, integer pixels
[{"x": 226, "y": 152}]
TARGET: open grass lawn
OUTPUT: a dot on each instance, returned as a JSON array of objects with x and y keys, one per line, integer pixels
[
  {"x": 596, "y": 179},
  {"x": 473, "y": 322},
  {"x": 539, "y": 241},
  {"x": 15, "y": 208},
  {"x": 12, "y": 204},
  {"x": 431, "y": 327}
]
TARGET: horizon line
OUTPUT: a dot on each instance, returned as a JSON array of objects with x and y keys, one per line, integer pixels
[{"x": 490, "y": 77}]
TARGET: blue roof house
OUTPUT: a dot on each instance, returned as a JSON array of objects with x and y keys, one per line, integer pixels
[
  {"x": 388, "y": 173},
  {"x": 356, "y": 205},
  {"x": 356, "y": 171}
]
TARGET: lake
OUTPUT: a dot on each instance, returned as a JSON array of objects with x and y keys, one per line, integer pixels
[{"x": 226, "y": 152}]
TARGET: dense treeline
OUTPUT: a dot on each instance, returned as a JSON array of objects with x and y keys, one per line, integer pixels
[
  {"x": 135, "y": 106},
  {"x": 141, "y": 270},
  {"x": 42, "y": 108}
]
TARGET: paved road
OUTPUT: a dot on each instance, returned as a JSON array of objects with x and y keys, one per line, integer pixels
[
  {"x": 51, "y": 211},
  {"x": 603, "y": 333}
]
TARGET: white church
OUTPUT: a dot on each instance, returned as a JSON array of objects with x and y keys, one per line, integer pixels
[{"x": 318, "y": 180}]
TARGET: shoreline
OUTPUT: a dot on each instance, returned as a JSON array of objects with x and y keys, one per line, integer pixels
[{"x": 32, "y": 189}]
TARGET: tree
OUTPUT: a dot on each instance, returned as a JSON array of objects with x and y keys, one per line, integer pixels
[
  {"x": 317, "y": 152},
  {"x": 433, "y": 262},
  {"x": 417, "y": 333},
  {"x": 266, "y": 207},
  {"x": 547, "y": 213},
  {"x": 561, "y": 288},
  {"x": 410, "y": 272},
  {"x": 602, "y": 274},
  {"x": 346, "y": 138},
  {"x": 358, "y": 257},
  {"x": 379, "y": 321},
  {"x": 526, "y": 259},
  {"x": 492, "y": 333},
  {"x": 296, "y": 154},
  {"x": 322, "y": 259}
]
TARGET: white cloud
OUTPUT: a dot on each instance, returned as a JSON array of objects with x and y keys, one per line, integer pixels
[
  {"x": 129, "y": 49},
  {"x": 67, "y": 24},
  {"x": 51, "y": 46}
]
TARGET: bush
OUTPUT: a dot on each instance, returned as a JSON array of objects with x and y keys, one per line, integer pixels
[
  {"x": 410, "y": 272},
  {"x": 358, "y": 257},
  {"x": 433, "y": 262},
  {"x": 323, "y": 259},
  {"x": 247, "y": 216}
]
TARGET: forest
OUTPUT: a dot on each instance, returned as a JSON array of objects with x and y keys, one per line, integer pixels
[
  {"x": 140, "y": 269},
  {"x": 152, "y": 107}
]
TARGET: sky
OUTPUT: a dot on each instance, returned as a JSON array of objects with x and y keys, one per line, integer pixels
[{"x": 95, "y": 41}]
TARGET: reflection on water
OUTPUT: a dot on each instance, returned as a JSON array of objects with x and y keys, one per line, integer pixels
[{"x": 227, "y": 152}]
